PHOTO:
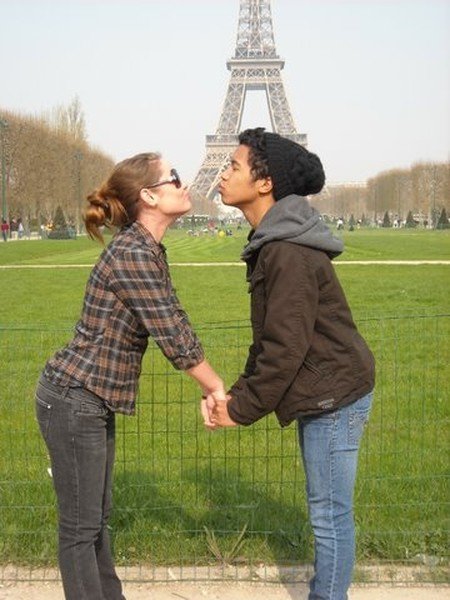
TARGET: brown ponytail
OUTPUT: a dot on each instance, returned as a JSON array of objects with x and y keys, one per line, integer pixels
[{"x": 115, "y": 203}]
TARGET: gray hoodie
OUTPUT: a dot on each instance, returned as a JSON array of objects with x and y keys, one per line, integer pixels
[{"x": 293, "y": 219}]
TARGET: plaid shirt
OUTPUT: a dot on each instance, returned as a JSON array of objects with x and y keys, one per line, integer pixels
[{"x": 129, "y": 297}]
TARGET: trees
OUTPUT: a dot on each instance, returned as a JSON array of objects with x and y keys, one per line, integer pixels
[
  {"x": 49, "y": 164},
  {"x": 424, "y": 189},
  {"x": 341, "y": 200},
  {"x": 68, "y": 119}
]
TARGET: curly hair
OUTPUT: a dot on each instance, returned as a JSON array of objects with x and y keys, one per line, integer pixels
[{"x": 254, "y": 139}]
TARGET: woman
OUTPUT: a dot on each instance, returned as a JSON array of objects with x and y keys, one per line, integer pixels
[{"x": 129, "y": 297}]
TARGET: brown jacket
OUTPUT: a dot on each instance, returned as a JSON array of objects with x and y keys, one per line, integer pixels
[{"x": 307, "y": 356}]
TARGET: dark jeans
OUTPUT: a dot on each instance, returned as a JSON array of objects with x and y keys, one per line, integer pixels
[{"x": 79, "y": 432}]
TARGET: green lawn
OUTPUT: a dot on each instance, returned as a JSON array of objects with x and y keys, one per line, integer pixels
[
  {"x": 172, "y": 477},
  {"x": 363, "y": 244}
]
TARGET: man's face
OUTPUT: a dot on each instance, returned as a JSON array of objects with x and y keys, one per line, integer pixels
[{"x": 237, "y": 186}]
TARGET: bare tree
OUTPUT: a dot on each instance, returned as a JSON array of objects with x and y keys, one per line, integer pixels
[
  {"x": 44, "y": 170},
  {"x": 68, "y": 119}
]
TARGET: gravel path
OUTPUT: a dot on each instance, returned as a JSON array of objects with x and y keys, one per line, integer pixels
[
  {"x": 227, "y": 591},
  {"x": 241, "y": 264}
]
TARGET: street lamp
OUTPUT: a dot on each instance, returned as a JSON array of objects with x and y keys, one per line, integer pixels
[
  {"x": 3, "y": 126},
  {"x": 434, "y": 218},
  {"x": 79, "y": 158}
]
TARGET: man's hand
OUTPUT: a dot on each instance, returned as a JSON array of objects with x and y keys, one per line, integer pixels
[
  {"x": 207, "y": 405},
  {"x": 219, "y": 413}
]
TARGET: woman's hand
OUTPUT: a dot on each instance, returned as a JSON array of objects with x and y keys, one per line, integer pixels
[{"x": 206, "y": 406}]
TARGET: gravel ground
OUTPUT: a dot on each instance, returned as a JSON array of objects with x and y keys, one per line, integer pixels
[
  {"x": 146, "y": 582},
  {"x": 227, "y": 591}
]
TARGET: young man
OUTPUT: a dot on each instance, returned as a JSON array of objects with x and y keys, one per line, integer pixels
[{"x": 307, "y": 361}]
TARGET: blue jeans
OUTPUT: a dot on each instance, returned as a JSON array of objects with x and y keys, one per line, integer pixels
[
  {"x": 79, "y": 432},
  {"x": 329, "y": 444}
]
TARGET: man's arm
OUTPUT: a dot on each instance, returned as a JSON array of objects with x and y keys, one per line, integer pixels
[{"x": 291, "y": 298}]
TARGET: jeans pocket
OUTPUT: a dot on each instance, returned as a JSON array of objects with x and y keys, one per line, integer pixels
[
  {"x": 86, "y": 404},
  {"x": 88, "y": 408},
  {"x": 44, "y": 412},
  {"x": 358, "y": 416}
]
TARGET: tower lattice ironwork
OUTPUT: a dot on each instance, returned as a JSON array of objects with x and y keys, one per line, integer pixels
[{"x": 254, "y": 66}]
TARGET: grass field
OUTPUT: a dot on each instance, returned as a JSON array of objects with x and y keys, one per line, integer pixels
[
  {"x": 364, "y": 244},
  {"x": 172, "y": 477}
]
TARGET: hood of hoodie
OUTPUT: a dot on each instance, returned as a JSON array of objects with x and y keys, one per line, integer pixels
[{"x": 293, "y": 219}]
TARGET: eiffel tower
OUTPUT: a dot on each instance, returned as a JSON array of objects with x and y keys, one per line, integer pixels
[{"x": 254, "y": 66}]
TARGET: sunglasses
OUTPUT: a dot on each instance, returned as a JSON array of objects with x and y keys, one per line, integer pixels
[{"x": 174, "y": 178}]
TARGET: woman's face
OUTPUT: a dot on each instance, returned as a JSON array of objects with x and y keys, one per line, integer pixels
[{"x": 171, "y": 195}]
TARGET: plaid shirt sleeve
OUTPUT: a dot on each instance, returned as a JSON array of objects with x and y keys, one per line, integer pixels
[{"x": 141, "y": 280}]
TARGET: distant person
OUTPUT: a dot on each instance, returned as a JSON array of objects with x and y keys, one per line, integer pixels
[
  {"x": 20, "y": 229},
  {"x": 12, "y": 228},
  {"x": 129, "y": 297},
  {"x": 5, "y": 230},
  {"x": 307, "y": 362}
]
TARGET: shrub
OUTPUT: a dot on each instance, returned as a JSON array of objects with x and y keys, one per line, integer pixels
[
  {"x": 386, "y": 220},
  {"x": 443, "y": 222},
  {"x": 410, "y": 222},
  {"x": 61, "y": 230}
]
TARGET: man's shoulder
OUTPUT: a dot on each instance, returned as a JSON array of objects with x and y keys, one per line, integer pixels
[
  {"x": 286, "y": 248},
  {"x": 292, "y": 258}
]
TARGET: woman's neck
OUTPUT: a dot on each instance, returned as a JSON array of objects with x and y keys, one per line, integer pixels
[{"x": 157, "y": 227}]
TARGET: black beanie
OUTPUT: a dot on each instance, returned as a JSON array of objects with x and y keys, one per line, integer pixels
[{"x": 292, "y": 168}]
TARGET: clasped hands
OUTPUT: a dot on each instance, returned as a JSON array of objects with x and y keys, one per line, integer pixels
[{"x": 214, "y": 411}]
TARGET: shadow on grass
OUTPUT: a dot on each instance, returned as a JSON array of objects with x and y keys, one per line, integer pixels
[{"x": 163, "y": 523}]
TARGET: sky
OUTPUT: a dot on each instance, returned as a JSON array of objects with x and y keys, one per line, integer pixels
[{"x": 367, "y": 80}]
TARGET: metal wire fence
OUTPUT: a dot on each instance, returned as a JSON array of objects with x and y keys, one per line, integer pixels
[{"x": 194, "y": 505}]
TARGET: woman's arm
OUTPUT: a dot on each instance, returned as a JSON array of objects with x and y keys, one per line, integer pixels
[
  {"x": 206, "y": 378},
  {"x": 211, "y": 384}
]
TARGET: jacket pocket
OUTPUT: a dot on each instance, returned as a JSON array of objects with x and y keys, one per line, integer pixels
[
  {"x": 312, "y": 367},
  {"x": 310, "y": 374}
]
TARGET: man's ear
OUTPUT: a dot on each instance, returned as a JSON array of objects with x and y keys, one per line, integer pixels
[
  {"x": 265, "y": 185},
  {"x": 147, "y": 197}
]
